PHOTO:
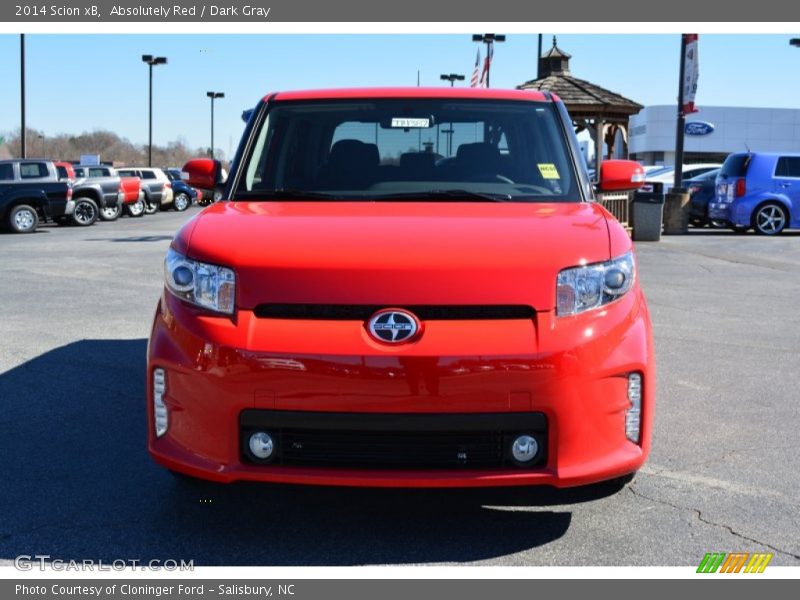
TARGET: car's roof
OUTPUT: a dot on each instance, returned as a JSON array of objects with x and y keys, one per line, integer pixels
[
  {"x": 413, "y": 92},
  {"x": 30, "y": 159},
  {"x": 755, "y": 152}
]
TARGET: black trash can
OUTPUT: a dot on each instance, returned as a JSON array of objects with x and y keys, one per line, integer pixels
[{"x": 647, "y": 216}]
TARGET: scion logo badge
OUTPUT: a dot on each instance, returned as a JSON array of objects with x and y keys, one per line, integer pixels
[{"x": 393, "y": 326}]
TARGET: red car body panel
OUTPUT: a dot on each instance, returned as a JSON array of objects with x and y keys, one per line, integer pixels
[
  {"x": 130, "y": 187},
  {"x": 67, "y": 167},
  {"x": 358, "y": 242},
  {"x": 415, "y": 92},
  {"x": 574, "y": 370},
  {"x": 476, "y": 367}
]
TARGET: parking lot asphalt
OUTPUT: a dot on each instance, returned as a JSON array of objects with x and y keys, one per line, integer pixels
[{"x": 723, "y": 474}]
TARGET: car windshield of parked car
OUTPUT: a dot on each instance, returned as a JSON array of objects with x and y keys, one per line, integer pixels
[{"x": 410, "y": 149}]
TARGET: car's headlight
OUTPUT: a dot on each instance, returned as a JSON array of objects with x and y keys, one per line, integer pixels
[
  {"x": 204, "y": 285},
  {"x": 583, "y": 288}
]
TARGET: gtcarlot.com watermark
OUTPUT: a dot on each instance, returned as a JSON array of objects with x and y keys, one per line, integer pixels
[{"x": 43, "y": 562}]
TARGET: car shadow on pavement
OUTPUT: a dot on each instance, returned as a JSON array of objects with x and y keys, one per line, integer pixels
[
  {"x": 134, "y": 239},
  {"x": 78, "y": 484},
  {"x": 733, "y": 234}
]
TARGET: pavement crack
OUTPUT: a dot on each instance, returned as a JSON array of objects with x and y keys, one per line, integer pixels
[{"x": 699, "y": 514}]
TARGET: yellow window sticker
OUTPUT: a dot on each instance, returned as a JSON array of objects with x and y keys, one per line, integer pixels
[{"x": 548, "y": 171}]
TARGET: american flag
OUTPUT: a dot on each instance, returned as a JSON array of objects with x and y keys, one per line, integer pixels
[
  {"x": 475, "y": 80},
  {"x": 486, "y": 63}
]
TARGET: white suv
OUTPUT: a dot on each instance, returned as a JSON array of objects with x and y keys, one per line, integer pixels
[{"x": 156, "y": 186}]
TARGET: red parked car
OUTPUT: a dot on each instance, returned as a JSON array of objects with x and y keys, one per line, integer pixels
[
  {"x": 403, "y": 287},
  {"x": 131, "y": 187}
]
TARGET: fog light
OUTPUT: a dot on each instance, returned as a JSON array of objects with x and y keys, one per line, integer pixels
[
  {"x": 524, "y": 449},
  {"x": 633, "y": 417},
  {"x": 261, "y": 445},
  {"x": 160, "y": 414}
]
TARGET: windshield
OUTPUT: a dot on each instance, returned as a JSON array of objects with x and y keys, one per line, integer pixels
[{"x": 412, "y": 149}]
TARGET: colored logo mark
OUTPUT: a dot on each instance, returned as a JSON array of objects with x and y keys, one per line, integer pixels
[
  {"x": 698, "y": 128},
  {"x": 734, "y": 562}
]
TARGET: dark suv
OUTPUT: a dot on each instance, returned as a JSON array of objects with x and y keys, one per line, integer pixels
[{"x": 31, "y": 192}]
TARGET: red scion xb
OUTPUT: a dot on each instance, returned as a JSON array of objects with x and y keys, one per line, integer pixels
[{"x": 403, "y": 287}]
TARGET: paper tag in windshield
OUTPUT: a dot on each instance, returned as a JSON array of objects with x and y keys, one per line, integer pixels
[
  {"x": 407, "y": 123},
  {"x": 548, "y": 171}
]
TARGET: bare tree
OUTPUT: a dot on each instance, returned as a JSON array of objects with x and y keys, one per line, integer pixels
[{"x": 112, "y": 148}]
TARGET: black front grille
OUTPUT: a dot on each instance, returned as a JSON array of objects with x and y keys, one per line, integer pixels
[
  {"x": 394, "y": 441},
  {"x": 362, "y": 312}
]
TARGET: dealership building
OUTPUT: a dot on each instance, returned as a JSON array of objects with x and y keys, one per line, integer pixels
[{"x": 712, "y": 133}]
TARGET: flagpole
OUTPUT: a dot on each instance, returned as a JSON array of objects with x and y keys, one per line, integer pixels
[
  {"x": 681, "y": 126},
  {"x": 489, "y": 39}
]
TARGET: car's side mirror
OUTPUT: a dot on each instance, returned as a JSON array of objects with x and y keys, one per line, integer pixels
[
  {"x": 205, "y": 174},
  {"x": 620, "y": 176}
]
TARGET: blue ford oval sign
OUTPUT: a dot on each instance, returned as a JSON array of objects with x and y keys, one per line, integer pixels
[{"x": 698, "y": 128}]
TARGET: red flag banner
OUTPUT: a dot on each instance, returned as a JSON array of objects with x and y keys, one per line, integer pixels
[
  {"x": 487, "y": 63},
  {"x": 691, "y": 72},
  {"x": 476, "y": 73}
]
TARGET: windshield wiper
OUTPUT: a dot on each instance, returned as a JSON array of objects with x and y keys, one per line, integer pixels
[
  {"x": 454, "y": 195},
  {"x": 286, "y": 194}
]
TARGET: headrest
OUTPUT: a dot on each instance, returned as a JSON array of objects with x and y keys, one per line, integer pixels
[
  {"x": 354, "y": 152},
  {"x": 478, "y": 153}
]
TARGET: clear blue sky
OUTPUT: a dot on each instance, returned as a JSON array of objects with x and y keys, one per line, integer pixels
[{"x": 80, "y": 83}]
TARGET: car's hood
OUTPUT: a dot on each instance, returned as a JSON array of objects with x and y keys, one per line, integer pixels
[{"x": 399, "y": 253}]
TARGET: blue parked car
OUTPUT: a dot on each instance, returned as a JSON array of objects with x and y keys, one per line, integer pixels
[
  {"x": 184, "y": 194},
  {"x": 702, "y": 189},
  {"x": 759, "y": 190}
]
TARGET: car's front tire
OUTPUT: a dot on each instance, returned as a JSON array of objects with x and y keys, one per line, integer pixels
[
  {"x": 135, "y": 209},
  {"x": 110, "y": 213},
  {"x": 181, "y": 202},
  {"x": 151, "y": 207}
]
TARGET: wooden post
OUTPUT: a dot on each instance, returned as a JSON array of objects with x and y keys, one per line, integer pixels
[{"x": 598, "y": 145}]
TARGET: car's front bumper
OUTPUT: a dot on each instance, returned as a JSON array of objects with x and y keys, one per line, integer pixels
[{"x": 571, "y": 372}]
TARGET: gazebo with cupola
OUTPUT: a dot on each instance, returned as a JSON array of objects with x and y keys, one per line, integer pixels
[{"x": 600, "y": 111}]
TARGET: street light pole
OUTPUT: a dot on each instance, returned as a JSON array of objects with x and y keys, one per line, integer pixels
[
  {"x": 681, "y": 122},
  {"x": 151, "y": 61},
  {"x": 452, "y": 78},
  {"x": 44, "y": 147},
  {"x": 213, "y": 96},
  {"x": 489, "y": 39},
  {"x": 23, "y": 145},
  {"x": 539, "y": 59}
]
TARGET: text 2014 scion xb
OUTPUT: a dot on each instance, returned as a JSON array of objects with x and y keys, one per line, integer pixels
[{"x": 403, "y": 287}]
